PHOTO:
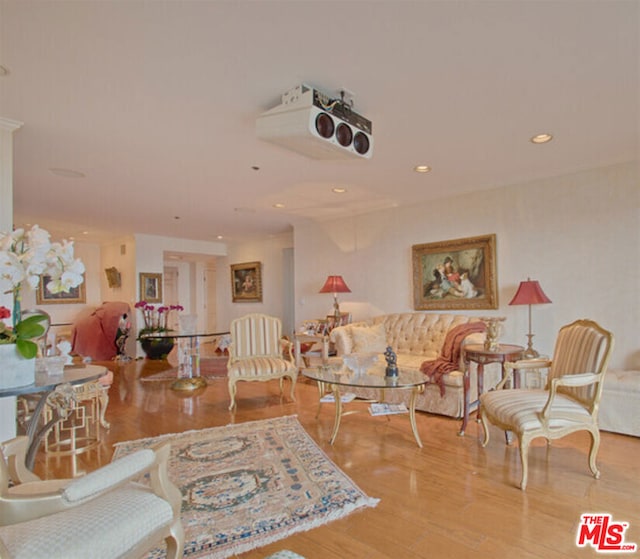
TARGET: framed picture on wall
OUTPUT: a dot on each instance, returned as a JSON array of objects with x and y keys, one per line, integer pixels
[
  {"x": 151, "y": 287},
  {"x": 246, "y": 282},
  {"x": 45, "y": 297},
  {"x": 456, "y": 274}
]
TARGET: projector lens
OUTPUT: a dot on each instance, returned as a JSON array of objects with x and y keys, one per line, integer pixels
[
  {"x": 324, "y": 125},
  {"x": 361, "y": 143},
  {"x": 344, "y": 135}
]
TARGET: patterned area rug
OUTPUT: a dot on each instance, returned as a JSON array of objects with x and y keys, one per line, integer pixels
[
  {"x": 211, "y": 368},
  {"x": 249, "y": 484}
]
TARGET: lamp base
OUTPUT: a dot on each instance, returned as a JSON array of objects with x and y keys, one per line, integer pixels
[
  {"x": 336, "y": 310},
  {"x": 530, "y": 353}
]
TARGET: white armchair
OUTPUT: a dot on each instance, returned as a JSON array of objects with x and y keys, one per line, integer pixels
[
  {"x": 570, "y": 401},
  {"x": 259, "y": 353},
  {"x": 106, "y": 514}
]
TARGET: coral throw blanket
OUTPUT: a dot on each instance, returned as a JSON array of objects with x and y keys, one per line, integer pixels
[{"x": 449, "y": 358}]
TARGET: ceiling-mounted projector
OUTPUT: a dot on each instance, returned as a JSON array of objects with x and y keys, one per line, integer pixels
[{"x": 313, "y": 124}]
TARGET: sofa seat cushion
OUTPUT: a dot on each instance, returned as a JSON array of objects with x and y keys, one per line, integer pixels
[{"x": 410, "y": 361}]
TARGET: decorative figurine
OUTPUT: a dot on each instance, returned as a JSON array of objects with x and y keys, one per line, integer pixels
[
  {"x": 494, "y": 329},
  {"x": 392, "y": 367},
  {"x": 64, "y": 347},
  {"x": 124, "y": 327}
]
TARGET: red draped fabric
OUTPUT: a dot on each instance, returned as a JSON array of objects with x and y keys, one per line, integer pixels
[{"x": 449, "y": 358}]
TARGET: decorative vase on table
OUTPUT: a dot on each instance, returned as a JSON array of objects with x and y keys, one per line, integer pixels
[
  {"x": 15, "y": 370},
  {"x": 494, "y": 330},
  {"x": 157, "y": 348},
  {"x": 156, "y": 321}
]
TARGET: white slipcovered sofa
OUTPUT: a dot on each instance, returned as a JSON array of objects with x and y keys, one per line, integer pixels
[
  {"x": 415, "y": 337},
  {"x": 620, "y": 404}
]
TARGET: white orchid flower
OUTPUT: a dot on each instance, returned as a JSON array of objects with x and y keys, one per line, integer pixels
[
  {"x": 37, "y": 237},
  {"x": 27, "y": 256},
  {"x": 11, "y": 270}
]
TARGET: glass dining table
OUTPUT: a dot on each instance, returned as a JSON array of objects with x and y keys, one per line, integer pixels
[
  {"x": 188, "y": 356},
  {"x": 58, "y": 392}
]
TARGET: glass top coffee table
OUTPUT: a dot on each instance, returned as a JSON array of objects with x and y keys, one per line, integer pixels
[{"x": 332, "y": 380}]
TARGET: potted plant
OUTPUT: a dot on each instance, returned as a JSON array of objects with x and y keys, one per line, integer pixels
[
  {"x": 156, "y": 321},
  {"x": 26, "y": 256}
]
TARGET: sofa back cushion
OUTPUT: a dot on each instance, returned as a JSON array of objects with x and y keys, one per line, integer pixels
[
  {"x": 407, "y": 333},
  {"x": 420, "y": 333},
  {"x": 369, "y": 339}
]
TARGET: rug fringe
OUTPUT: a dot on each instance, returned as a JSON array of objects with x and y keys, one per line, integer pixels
[{"x": 249, "y": 546}]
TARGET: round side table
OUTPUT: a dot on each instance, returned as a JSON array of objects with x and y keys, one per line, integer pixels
[{"x": 476, "y": 353}]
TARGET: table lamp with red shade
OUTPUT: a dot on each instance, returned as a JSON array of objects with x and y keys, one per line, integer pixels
[
  {"x": 335, "y": 285},
  {"x": 530, "y": 293}
]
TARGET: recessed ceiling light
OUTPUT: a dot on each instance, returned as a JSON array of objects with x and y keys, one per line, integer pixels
[
  {"x": 219, "y": 237},
  {"x": 85, "y": 232},
  {"x": 279, "y": 206},
  {"x": 339, "y": 190},
  {"x": 69, "y": 173},
  {"x": 541, "y": 138},
  {"x": 422, "y": 168}
]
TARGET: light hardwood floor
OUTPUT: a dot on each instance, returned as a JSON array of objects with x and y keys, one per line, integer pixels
[{"x": 451, "y": 498}]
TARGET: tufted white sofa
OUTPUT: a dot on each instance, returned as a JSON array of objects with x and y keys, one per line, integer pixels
[{"x": 415, "y": 337}]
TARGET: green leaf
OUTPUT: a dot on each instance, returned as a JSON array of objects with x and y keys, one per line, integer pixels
[
  {"x": 30, "y": 328},
  {"x": 27, "y": 349}
]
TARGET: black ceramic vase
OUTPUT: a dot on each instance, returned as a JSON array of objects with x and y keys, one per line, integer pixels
[{"x": 157, "y": 348}]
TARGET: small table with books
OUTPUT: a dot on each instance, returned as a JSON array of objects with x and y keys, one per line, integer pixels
[{"x": 332, "y": 380}]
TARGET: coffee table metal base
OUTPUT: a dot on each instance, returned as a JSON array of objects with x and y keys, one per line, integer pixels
[{"x": 335, "y": 390}]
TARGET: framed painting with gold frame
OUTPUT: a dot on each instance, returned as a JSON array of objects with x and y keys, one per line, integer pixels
[
  {"x": 455, "y": 274},
  {"x": 45, "y": 297},
  {"x": 246, "y": 282},
  {"x": 151, "y": 287}
]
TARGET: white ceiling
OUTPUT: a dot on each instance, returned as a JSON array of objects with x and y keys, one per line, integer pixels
[{"x": 156, "y": 102}]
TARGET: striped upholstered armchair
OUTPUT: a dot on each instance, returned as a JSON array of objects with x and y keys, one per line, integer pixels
[
  {"x": 258, "y": 352},
  {"x": 570, "y": 401}
]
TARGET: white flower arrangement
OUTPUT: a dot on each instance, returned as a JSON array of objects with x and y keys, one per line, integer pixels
[{"x": 25, "y": 256}]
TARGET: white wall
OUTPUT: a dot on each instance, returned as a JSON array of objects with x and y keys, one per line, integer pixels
[
  {"x": 271, "y": 253},
  {"x": 578, "y": 235},
  {"x": 120, "y": 254}
]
